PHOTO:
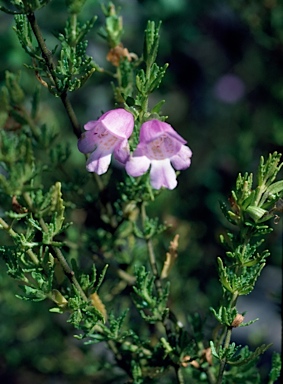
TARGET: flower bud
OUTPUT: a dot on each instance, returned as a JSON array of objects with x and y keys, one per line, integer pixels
[{"x": 237, "y": 321}]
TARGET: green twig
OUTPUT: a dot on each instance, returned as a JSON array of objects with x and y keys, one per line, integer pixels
[
  {"x": 58, "y": 254},
  {"x": 151, "y": 255},
  {"x": 47, "y": 56},
  {"x": 154, "y": 268},
  {"x": 223, "y": 361},
  {"x": 14, "y": 235},
  {"x": 68, "y": 271}
]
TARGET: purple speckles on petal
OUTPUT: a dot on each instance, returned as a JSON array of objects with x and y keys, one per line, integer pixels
[
  {"x": 163, "y": 147},
  {"x": 160, "y": 147}
]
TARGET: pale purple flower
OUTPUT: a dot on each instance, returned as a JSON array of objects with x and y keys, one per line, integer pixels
[
  {"x": 161, "y": 148},
  {"x": 109, "y": 134}
]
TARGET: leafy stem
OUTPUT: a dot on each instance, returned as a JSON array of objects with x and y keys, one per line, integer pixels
[
  {"x": 151, "y": 254},
  {"x": 14, "y": 235},
  {"x": 58, "y": 254},
  {"x": 73, "y": 29},
  {"x": 224, "y": 360},
  {"x": 68, "y": 271},
  {"x": 47, "y": 56}
]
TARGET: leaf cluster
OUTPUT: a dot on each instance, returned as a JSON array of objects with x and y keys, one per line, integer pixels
[
  {"x": 256, "y": 205},
  {"x": 74, "y": 66},
  {"x": 35, "y": 215},
  {"x": 137, "y": 77},
  {"x": 71, "y": 69},
  {"x": 113, "y": 29},
  {"x": 23, "y": 6},
  {"x": 250, "y": 208},
  {"x": 151, "y": 305},
  {"x": 149, "y": 78},
  {"x": 75, "y": 6},
  {"x": 19, "y": 166},
  {"x": 238, "y": 356}
]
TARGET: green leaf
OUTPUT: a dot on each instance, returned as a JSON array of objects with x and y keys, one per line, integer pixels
[
  {"x": 24, "y": 33},
  {"x": 275, "y": 188},
  {"x": 151, "y": 305},
  {"x": 83, "y": 316},
  {"x": 156, "y": 75},
  {"x": 213, "y": 350},
  {"x": 141, "y": 81},
  {"x": 57, "y": 207},
  {"x": 250, "y": 356},
  {"x": 113, "y": 29},
  {"x": 276, "y": 368},
  {"x": 268, "y": 170},
  {"x": 75, "y": 6},
  {"x": 32, "y": 294},
  {"x": 224, "y": 278},
  {"x": 151, "y": 43},
  {"x": 256, "y": 213},
  {"x": 225, "y": 315},
  {"x": 157, "y": 107},
  {"x": 249, "y": 278},
  {"x": 16, "y": 93}
]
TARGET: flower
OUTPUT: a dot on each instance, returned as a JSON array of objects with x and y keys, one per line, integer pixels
[
  {"x": 159, "y": 146},
  {"x": 109, "y": 134}
]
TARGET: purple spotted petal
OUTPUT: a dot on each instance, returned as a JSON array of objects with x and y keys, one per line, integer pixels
[
  {"x": 163, "y": 147},
  {"x": 158, "y": 148},
  {"x": 162, "y": 174},
  {"x": 183, "y": 158},
  {"x": 137, "y": 165}
]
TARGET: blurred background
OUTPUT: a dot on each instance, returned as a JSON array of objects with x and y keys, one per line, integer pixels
[{"x": 224, "y": 95}]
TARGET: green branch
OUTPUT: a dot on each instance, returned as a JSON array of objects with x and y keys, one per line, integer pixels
[
  {"x": 14, "y": 235},
  {"x": 47, "y": 56}
]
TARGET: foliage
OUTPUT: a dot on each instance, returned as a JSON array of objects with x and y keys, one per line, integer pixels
[{"x": 90, "y": 244}]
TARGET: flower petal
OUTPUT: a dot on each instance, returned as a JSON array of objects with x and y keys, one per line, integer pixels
[
  {"x": 122, "y": 151},
  {"x": 119, "y": 122},
  {"x": 91, "y": 124},
  {"x": 137, "y": 165},
  {"x": 152, "y": 129},
  {"x": 163, "y": 147},
  {"x": 98, "y": 162},
  {"x": 183, "y": 158},
  {"x": 87, "y": 142},
  {"x": 162, "y": 174}
]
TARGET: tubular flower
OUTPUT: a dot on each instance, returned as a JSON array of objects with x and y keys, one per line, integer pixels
[
  {"x": 109, "y": 134},
  {"x": 161, "y": 148}
]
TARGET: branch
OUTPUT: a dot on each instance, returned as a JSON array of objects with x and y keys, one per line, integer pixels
[
  {"x": 47, "y": 56},
  {"x": 14, "y": 234}
]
